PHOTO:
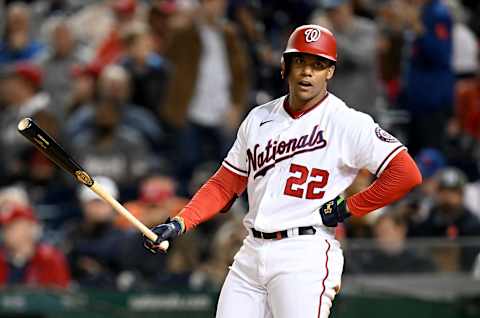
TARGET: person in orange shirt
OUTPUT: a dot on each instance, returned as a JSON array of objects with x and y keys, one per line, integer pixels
[{"x": 156, "y": 202}]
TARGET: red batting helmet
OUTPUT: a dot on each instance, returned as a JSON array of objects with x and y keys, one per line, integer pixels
[{"x": 313, "y": 39}]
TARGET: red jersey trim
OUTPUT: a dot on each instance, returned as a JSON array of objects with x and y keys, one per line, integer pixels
[{"x": 300, "y": 113}]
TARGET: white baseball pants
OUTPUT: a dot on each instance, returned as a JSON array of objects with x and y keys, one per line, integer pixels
[{"x": 292, "y": 277}]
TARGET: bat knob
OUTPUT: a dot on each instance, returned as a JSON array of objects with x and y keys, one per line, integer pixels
[
  {"x": 24, "y": 124},
  {"x": 164, "y": 245}
]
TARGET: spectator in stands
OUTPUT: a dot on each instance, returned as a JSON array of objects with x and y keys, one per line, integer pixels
[
  {"x": 472, "y": 197},
  {"x": 23, "y": 259},
  {"x": 430, "y": 161},
  {"x": 63, "y": 54},
  {"x": 356, "y": 80},
  {"x": 113, "y": 87},
  {"x": 107, "y": 147},
  {"x": 17, "y": 45},
  {"x": 391, "y": 253},
  {"x": 465, "y": 42},
  {"x": 463, "y": 130},
  {"x": 13, "y": 195},
  {"x": 428, "y": 82},
  {"x": 227, "y": 240},
  {"x": 110, "y": 48},
  {"x": 82, "y": 93},
  {"x": 159, "y": 17},
  {"x": 266, "y": 81},
  {"x": 391, "y": 46},
  {"x": 92, "y": 245},
  {"x": 208, "y": 91},
  {"x": 464, "y": 127},
  {"x": 467, "y": 108},
  {"x": 449, "y": 217},
  {"x": 181, "y": 264},
  {"x": 21, "y": 95},
  {"x": 417, "y": 205},
  {"x": 476, "y": 268},
  {"x": 91, "y": 22},
  {"x": 148, "y": 70},
  {"x": 156, "y": 202},
  {"x": 461, "y": 148}
]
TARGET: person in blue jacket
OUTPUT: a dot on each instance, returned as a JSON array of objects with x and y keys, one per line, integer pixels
[{"x": 429, "y": 80}]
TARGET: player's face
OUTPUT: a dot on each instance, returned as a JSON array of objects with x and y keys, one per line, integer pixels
[{"x": 308, "y": 77}]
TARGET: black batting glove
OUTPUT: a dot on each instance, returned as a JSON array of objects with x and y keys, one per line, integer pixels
[
  {"x": 334, "y": 212},
  {"x": 168, "y": 231}
]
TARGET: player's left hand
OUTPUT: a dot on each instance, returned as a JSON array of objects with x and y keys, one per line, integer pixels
[
  {"x": 167, "y": 231},
  {"x": 334, "y": 211}
]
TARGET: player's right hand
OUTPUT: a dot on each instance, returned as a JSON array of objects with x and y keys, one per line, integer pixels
[
  {"x": 167, "y": 231},
  {"x": 334, "y": 212}
]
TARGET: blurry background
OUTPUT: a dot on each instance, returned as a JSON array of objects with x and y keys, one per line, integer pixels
[{"x": 148, "y": 95}]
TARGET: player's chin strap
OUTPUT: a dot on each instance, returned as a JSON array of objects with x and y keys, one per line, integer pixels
[{"x": 334, "y": 212}]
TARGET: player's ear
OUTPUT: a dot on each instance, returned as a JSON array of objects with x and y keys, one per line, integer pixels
[
  {"x": 331, "y": 71},
  {"x": 282, "y": 68}
]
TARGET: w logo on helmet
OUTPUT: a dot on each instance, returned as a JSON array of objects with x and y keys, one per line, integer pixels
[{"x": 312, "y": 35}]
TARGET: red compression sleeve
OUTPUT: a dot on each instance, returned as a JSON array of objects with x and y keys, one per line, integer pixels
[
  {"x": 212, "y": 197},
  {"x": 399, "y": 177}
]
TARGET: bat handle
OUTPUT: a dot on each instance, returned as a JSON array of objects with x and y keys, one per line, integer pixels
[{"x": 98, "y": 189}]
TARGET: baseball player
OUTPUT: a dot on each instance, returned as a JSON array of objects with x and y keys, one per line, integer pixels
[{"x": 295, "y": 156}]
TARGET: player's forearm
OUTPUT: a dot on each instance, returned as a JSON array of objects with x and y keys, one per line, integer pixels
[
  {"x": 212, "y": 197},
  {"x": 400, "y": 176},
  {"x": 206, "y": 203}
]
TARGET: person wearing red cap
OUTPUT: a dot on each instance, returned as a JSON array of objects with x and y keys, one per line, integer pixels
[
  {"x": 23, "y": 259},
  {"x": 156, "y": 202},
  {"x": 111, "y": 48},
  {"x": 21, "y": 96},
  {"x": 159, "y": 18},
  {"x": 296, "y": 155}
]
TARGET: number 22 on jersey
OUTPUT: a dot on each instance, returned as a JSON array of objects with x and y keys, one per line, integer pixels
[{"x": 298, "y": 187}]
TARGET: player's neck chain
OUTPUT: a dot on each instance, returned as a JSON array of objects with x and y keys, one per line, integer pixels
[{"x": 260, "y": 162}]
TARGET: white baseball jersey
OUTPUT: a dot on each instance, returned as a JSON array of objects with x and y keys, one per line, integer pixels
[
  {"x": 296, "y": 165},
  {"x": 293, "y": 167}
]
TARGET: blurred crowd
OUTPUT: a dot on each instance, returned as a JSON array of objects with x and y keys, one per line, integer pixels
[{"x": 147, "y": 96}]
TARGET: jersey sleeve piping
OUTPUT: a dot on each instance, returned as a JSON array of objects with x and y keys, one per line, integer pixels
[
  {"x": 234, "y": 169},
  {"x": 388, "y": 158}
]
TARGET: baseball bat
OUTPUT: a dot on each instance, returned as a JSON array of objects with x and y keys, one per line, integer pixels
[{"x": 52, "y": 150}]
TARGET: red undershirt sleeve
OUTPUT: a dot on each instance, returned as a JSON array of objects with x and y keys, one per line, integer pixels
[
  {"x": 398, "y": 178},
  {"x": 212, "y": 197}
]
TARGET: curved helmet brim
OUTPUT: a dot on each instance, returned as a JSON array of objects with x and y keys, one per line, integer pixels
[{"x": 326, "y": 56}]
